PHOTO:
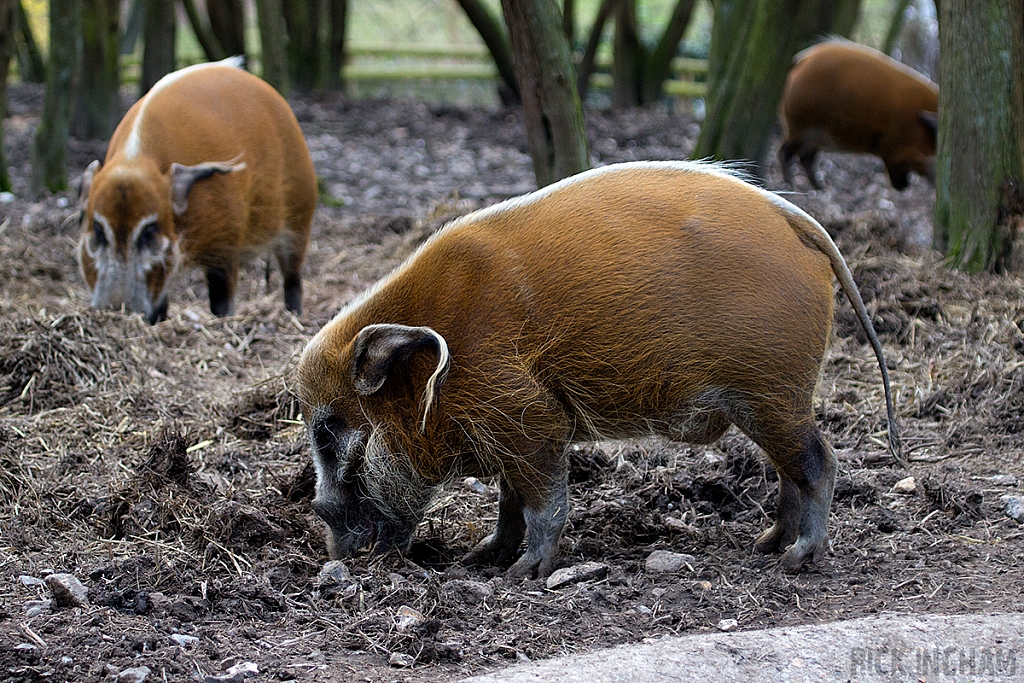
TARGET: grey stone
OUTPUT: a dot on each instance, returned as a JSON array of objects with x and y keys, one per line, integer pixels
[
  {"x": 471, "y": 592},
  {"x": 29, "y": 581},
  {"x": 235, "y": 674},
  {"x": 727, "y": 624},
  {"x": 907, "y": 485},
  {"x": 408, "y": 618},
  {"x": 134, "y": 675},
  {"x": 668, "y": 562},
  {"x": 1014, "y": 507},
  {"x": 67, "y": 590},
  {"x": 588, "y": 571},
  {"x": 401, "y": 660},
  {"x": 33, "y": 608},
  {"x": 182, "y": 640},
  {"x": 335, "y": 573}
]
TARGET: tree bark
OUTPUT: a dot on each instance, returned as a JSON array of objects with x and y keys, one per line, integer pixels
[
  {"x": 158, "y": 49},
  {"x": 302, "y": 49},
  {"x": 895, "y": 26},
  {"x": 273, "y": 40},
  {"x": 551, "y": 105},
  {"x": 96, "y": 94},
  {"x": 50, "y": 147},
  {"x": 846, "y": 15},
  {"x": 979, "y": 203},
  {"x": 753, "y": 44},
  {"x": 133, "y": 26},
  {"x": 227, "y": 24},
  {"x": 30, "y": 60},
  {"x": 336, "y": 42},
  {"x": 628, "y": 56},
  {"x": 659, "y": 63},
  {"x": 207, "y": 40},
  {"x": 489, "y": 27},
  {"x": 8, "y": 48}
]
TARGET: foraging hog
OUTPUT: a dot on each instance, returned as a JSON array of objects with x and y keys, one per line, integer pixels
[
  {"x": 848, "y": 97},
  {"x": 653, "y": 297},
  {"x": 208, "y": 165}
]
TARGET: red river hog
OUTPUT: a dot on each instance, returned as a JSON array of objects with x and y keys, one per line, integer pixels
[
  {"x": 847, "y": 97},
  {"x": 664, "y": 298},
  {"x": 209, "y": 166}
]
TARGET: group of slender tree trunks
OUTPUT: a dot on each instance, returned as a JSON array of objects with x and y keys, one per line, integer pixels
[{"x": 980, "y": 198}]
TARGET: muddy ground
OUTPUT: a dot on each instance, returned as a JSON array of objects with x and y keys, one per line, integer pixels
[{"x": 165, "y": 467}]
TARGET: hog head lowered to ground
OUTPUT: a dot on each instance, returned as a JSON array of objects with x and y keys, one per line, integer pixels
[
  {"x": 208, "y": 166},
  {"x": 850, "y": 98},
  {"x": 666, "y": 298}
]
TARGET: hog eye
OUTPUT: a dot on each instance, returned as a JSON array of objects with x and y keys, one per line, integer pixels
[
  {"x": 327, "y": 435},
  {"x": 147, "y": 238},
  {"x": 99, "y": 237}
]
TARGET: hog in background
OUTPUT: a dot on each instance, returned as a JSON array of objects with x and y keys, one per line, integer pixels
[
  {"x": 666, "y": 298},
  {"x": 207, "y": 167},
  {"x": 846, "y": 97}
]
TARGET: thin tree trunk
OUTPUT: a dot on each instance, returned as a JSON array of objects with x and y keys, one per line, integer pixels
[
  {"x": 568, "y": 21},
  {"x": 273, "y": 40},
  {"x": 979, "y": 202},
  {"x": 895, "y": 26},
  {"x": 158, "y": 43},
  {"x": 227, "y": 24},
  {"x": 133, "y": 26},
  {"x": 586, "y": 68},
  {"x": 488, "y": 25},
  {"x": 551, "y": 104},
  {"x": 846, "y": 15},
  {"x": 760, "y": 38},
  {"x": 8, "y": 47},
  {"x": 50, "y": 148},
  {"x": 207, "y": 40},
  {"x": 627, "y": 57},
  {"x": 31, "y": 64},
  {"x": 659, "y": 63},
  {"x": 96, "y": 99},
  {"x": 336, "y": 42},
  {"x": 302, "y": 48}
]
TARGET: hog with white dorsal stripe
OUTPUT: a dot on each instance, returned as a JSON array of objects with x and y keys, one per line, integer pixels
[
  {"x": 665, "y": 298},
  {"x": 207, "y": 167}
]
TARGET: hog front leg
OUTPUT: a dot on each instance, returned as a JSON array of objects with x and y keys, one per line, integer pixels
[{"x": 545, "y": 525}]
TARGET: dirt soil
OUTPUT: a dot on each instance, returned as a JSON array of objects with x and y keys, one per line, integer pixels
[{"x": 166, "y": 466}]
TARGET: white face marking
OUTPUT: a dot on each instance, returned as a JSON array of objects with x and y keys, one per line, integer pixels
[
  {"x": 133, "y": 145},
  {"x": 108, "y": 233}
]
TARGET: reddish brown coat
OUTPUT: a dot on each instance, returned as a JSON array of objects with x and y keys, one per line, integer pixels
[
  {"x": 665, "y": 298},
  {"x": 209, "y": 165},
  {"x": 848, "y": 97}
]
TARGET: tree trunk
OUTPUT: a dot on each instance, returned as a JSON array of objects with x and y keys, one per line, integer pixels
[
  {"x": 979, "y": 203},
  {"x": 8, "y": 47},
  {"x": 568, "y": 22},
  {"x": 659, "y": 64},
  {"x": 207, "y": 40},
  {"x": 30, "y": 60},
  {"x": 336, "y": 41},
  {"x": 302, "y": 48},
  {"x": 586, "y": 68},
  {"x": 158, "y": 37},
  {"x": 846, "y": 15},
  {"x": 133, "y": 26},
  {"x": 273, "y": 40},
  {"x": 227, "y": 24},
  {"x": 489, "y": 27},
  {"x": 551, "y": 105},
  {"x": 628, "y": 56},
  {"x": 50, "y": 148},
  {"x": 757, "y": 40},
  {"x": 96, "y": 94}
]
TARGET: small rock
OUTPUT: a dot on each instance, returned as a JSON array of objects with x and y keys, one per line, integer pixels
[
  {"x": 29, "y": 581},
  {"x": 477, "y": 486},
  {"x": 1003, "y": 480},
  {"x": 401, "y": 660},
  {"x": 33, "y": 608},
  {"x": 67, "y": 590},
  {"x": 6, "y": 197},
  {"x": 704, "y": 585},
  {"x": 1014, "y": 507},
  {"x": 334, "y": 573},
  {"x": 24, "y": 647},
  {"x": 471, "y": 592},
  {"x": 588, "y": 571},
  {"x": 235, "y": 674},
  {"x": 134, "y": 675},
  {"x": 908, "y": 485},
  {"x": 66, "y": 661},
  {"x": 667, "y": 562},
  {"x": 676, "y": 524},
  {"x": 183, "y": 640},
  {"x": 727, "y": 624},
  {"x": 409, "y": 618}
]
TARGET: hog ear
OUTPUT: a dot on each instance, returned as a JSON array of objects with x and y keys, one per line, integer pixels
[
  {"x": 83, "y": 190},
  {"x": 184, "y": 177},
  {"x": 380, "y": 350},
  {"x": 930, "y": 121}
]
